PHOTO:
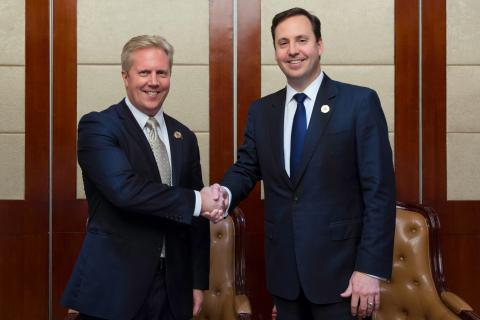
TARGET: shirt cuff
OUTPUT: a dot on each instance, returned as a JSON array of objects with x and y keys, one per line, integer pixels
[
  {"x": 225, "y": 214},
  {"x": 371, "y": 275},
  {"x": 198, "y": 203}
]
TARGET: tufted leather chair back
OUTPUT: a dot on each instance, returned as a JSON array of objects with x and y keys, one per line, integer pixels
[
  {"x": 225, "y": 299},
  {"x": 412, "y": 293}
]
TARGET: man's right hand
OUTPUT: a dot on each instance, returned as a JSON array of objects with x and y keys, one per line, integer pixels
[{"x": 214, "y": 203}]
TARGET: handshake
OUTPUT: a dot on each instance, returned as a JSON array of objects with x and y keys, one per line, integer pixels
[{"x": 214, "y": 202}]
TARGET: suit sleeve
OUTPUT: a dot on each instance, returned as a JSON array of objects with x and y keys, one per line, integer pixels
[
  {"x": 106, "y": 165},
  {"x": 375, "y": 167},
  {"x": 245, "y": 172},
  {"x": 200, "y": 236}
]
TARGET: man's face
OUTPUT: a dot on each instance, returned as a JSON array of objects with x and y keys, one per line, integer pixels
[
  {"x": 148, "y": 80},
  {"x": 297, "y": 51}
]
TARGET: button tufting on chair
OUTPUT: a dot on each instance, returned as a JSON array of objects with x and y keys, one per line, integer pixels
[
  {"x": 226, "y": 299},
  {"x": 417, "y": 288}
]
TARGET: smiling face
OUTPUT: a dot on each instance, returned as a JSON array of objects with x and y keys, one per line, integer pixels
[
  {"x": 297, "y": 51},
  {"x": 147, "y": 82}
]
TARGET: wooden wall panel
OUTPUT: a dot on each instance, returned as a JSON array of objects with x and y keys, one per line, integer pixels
[
  {"x": 460, "y": 233},
  {"x": 24, "y": 223},
  {"x": 69, "y": 214},
  {"x": 248, "y": 89},
  {"x": 406, "y": 100},
  {"x": 65, "y": 247},
  {"x": 64, "y": 115},
  {"x": 221, "y": 88},
  {"x": 434, "y": 102}
]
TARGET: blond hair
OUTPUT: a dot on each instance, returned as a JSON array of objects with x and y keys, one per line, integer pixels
[{"x": 144, "y": 41}]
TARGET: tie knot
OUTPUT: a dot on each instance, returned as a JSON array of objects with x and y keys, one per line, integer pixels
[
  {"x": 152, "y": 123},
  {"x": 300, "y": 97}
]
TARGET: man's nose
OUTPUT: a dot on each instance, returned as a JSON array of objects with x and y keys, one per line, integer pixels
[
  {"x": 153, "y": 79},
  {"x": 293, "y": 49}
]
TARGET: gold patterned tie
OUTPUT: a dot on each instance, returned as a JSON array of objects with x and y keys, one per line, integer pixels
[{"x": 159, "y": 151}]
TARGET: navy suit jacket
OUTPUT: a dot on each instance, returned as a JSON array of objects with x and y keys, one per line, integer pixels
[
  {"x": 337, "y": 214},
  {"x": 131, "y": 212}
]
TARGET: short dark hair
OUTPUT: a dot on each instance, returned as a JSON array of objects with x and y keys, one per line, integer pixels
[{"x": 314, "y": 21}]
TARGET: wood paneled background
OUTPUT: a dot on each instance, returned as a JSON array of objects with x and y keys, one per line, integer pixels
[{"x": 24, "y": 224}]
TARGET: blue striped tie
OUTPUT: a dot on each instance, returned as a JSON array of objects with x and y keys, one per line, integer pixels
[{"x": 299, "y": 131}]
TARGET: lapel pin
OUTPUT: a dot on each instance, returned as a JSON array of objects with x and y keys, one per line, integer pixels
[
  {"x": 177, "y": 135},
  {"x": 325, "y": 108}
]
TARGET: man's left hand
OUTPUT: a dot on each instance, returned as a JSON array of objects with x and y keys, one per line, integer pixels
[
  {"x": 197, "y": 301},
  {"x": 365, "y": 293}
]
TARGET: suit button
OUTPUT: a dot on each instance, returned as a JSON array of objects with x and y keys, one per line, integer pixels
[{"x": 295, "y": 198}]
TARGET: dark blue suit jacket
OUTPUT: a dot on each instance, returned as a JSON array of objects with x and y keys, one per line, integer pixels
[
  {"x": 130, "y": 213},
  {"x": 337, "y": 214}
]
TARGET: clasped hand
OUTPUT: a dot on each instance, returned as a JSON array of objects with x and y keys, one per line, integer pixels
[{"x": 214, "y": 202}]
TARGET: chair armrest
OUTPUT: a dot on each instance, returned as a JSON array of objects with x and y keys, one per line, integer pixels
[
  {"x": 458, "y": 306},
  {"x": 454, "y": 302},
  {"x": 242, "y": 307}
]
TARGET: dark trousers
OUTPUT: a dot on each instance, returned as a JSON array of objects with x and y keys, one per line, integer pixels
[
  {"x": 156, "y": 306},
  {"x": 303, "y": 309}
]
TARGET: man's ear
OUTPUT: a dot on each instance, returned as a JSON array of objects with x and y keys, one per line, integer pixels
[
  {"x": 125, "y": 77},
  {"x": 320, "y": 47}
]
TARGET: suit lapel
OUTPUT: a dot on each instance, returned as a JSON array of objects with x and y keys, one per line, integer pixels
[
  {"x": 275, "y": 123},
  {"x": 175, "y": 139},
  {"x": 318, "y": 122},
  {"x": 136, "y": 133}
]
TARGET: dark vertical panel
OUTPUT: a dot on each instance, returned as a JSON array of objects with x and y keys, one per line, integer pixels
[
  {"x": 249, "y": 73},
  {"x": 221, "y": 88},
  {"x": 248, "y": 88},
  {"x": 406, "y": 100},
  {"x": 460, "y": 228},
  {"x": 434, "y": 101},
  {"x": 24, "y": 276},
  {"x": 37, "y": 100},
  {"x": 66, "y": 246},
  {"x": 69, "y": 214},
  {"x": 64, "y": 105},
  {"x": 24, "y": 223}
]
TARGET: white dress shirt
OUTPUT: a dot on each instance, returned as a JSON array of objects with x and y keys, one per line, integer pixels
[{"x": 291, "y": 107}]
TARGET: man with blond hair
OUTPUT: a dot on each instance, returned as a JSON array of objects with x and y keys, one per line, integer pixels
[{"x": 145, "y": 255}]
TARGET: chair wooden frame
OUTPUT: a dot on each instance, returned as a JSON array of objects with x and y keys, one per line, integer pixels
[{"x": 240, "y": 288}]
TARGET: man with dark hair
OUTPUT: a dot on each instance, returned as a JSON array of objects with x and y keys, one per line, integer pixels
[
  {"x": 321, "y": 148},
  {"x": 315, "y": 22}
]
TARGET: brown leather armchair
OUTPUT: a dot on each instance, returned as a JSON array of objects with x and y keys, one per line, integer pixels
[
  {"x": 417, "y": 289},
  {"x": 226, "y": 299}
]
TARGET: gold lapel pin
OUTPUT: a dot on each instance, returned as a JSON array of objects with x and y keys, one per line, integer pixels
[
  {"x": 325, "y": 108},
  {"x": 177, "y": 135}
]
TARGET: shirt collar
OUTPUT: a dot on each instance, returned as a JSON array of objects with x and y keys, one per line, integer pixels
[
  {"x": 310, "y": 91},
  {"x": 142, "y": 117}
]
